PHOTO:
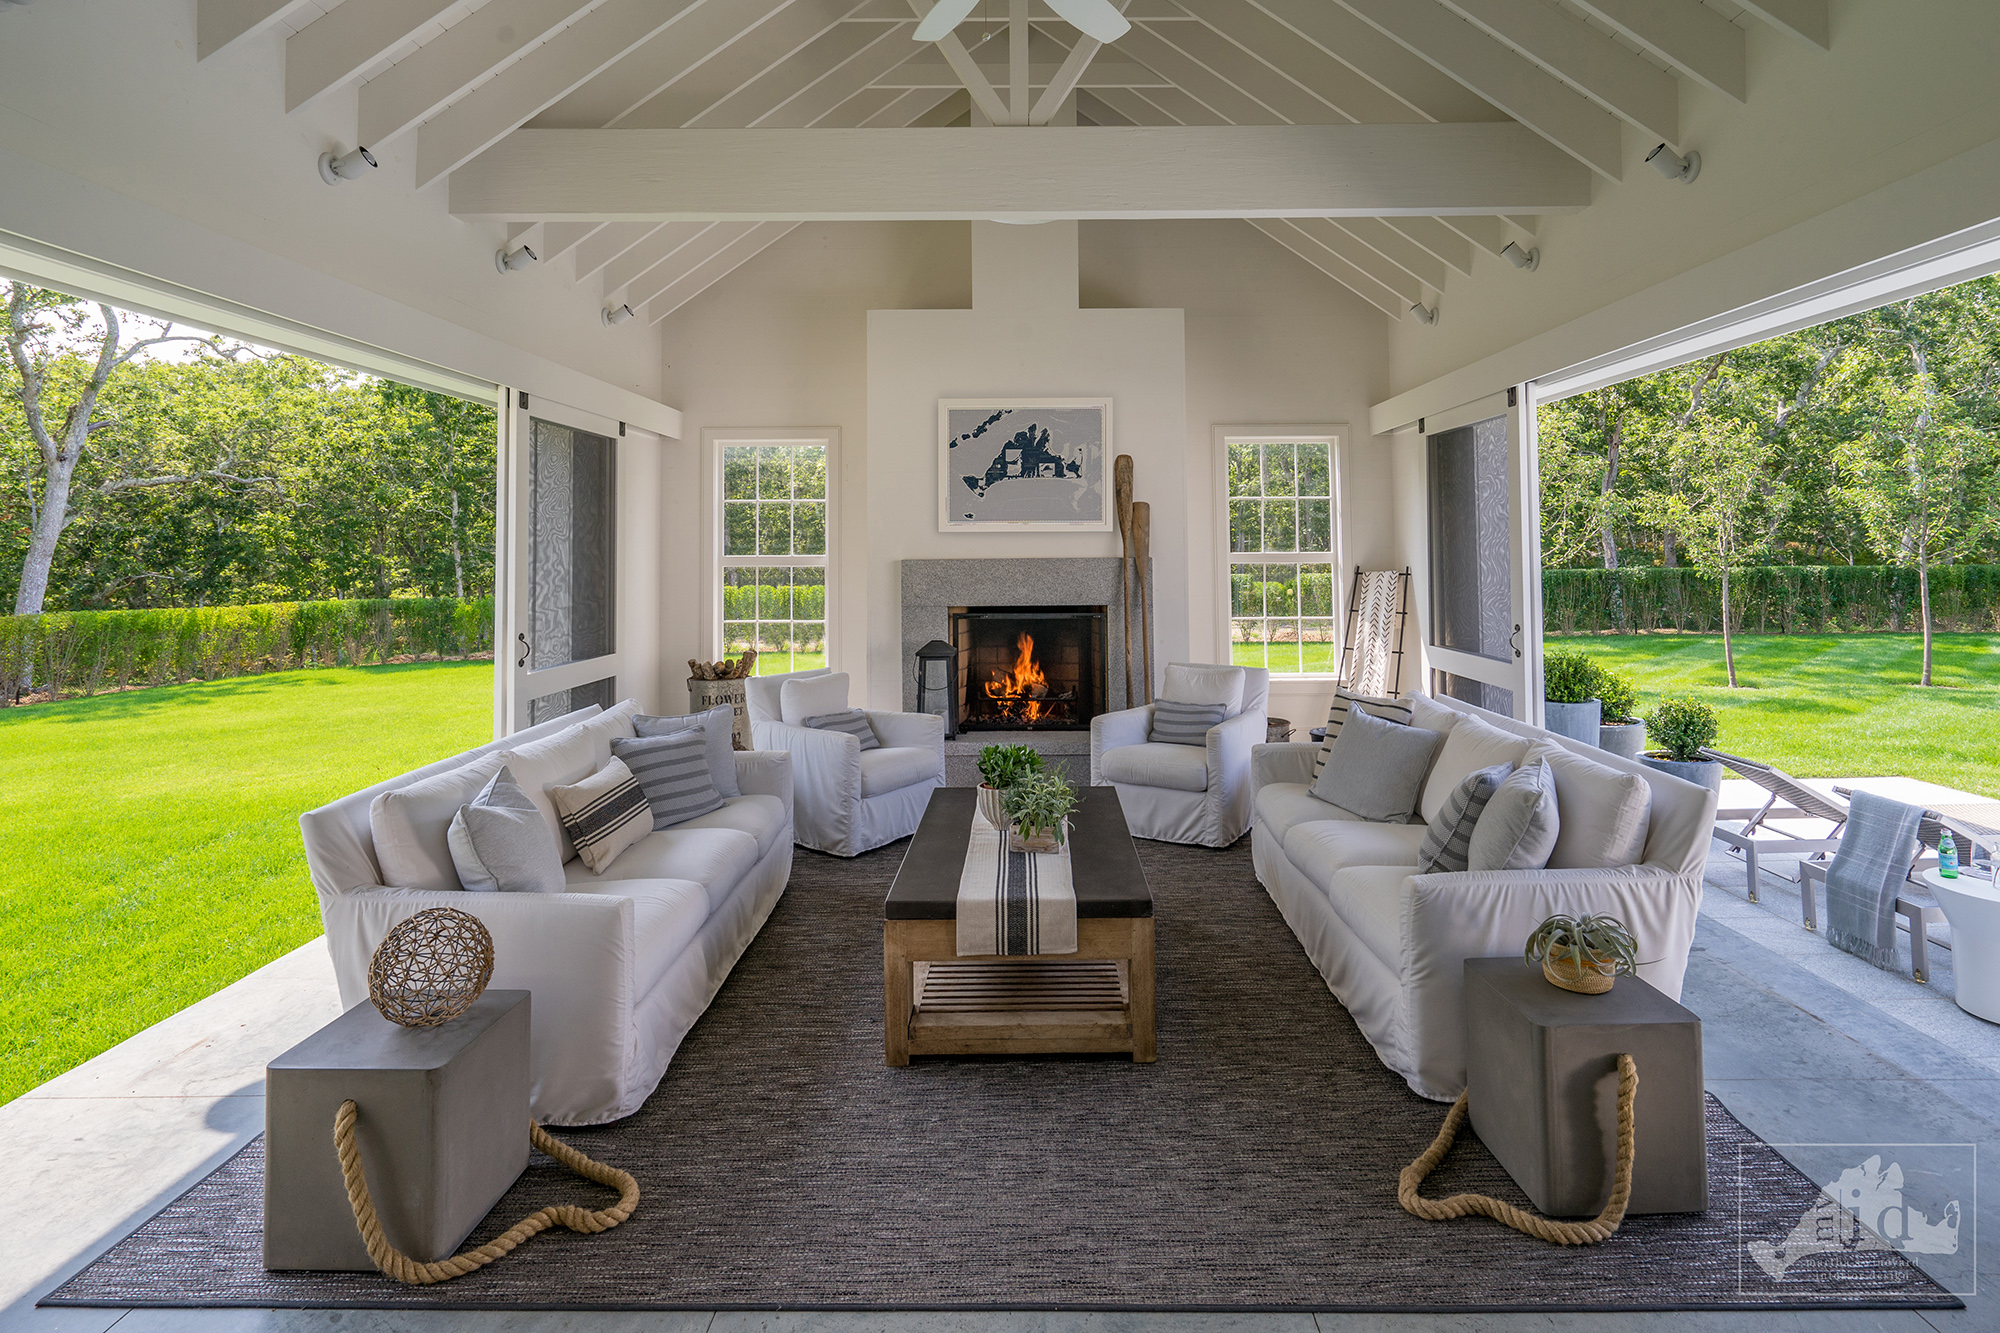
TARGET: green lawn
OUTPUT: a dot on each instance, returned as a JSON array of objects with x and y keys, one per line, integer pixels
[
  {"x": 151, "y": 839},
  {"x": 1844, "y": 705}
]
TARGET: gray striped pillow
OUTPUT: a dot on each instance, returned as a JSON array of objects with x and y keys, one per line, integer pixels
[
  {"x": 1184, "y": 724},
  {"x": 852, "y": 721},
  {"x": 673, "y": 773},
  {"x": 1389, "y": 710},
  {"x": 1444, "y": 847}
]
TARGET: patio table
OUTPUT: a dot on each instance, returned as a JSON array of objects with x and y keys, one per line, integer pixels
[{"x": 1973, "y": 908}]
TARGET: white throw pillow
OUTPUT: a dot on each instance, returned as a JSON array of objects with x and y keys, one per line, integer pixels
[
  {"x": 1429, "y": 714},
  {"x": 1195, "y": 683},
  {"x": 500, "y": 844},
  {"x": 816, "y": 695},
  {"x": 569, "y": 756},
  {"x": 411, "y": 825},
  {"x": 1604, "y": 811},
  {"x": 1470, "y": 745}
]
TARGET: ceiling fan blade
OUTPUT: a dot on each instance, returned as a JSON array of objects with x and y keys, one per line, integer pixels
[
  {"x": 1093, "y": 18},
  {"x": 944, "y": 16}
]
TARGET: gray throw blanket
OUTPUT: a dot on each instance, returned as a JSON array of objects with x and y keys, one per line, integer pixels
[{"x": 1867, "y": 872}]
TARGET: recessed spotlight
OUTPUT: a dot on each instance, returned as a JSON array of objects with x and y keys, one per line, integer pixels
[
  {"x": 347, "y": 167},
  {"x": 617, "y": 315},
  {"x": 1519, "y": 258},
  {"x": 1672, "y": 165},
  {"x": 1426, "y": 314},
  {"x": 508, "y": 261}
]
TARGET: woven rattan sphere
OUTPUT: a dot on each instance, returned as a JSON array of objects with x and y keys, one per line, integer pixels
[{"x": 428, "y": 970}]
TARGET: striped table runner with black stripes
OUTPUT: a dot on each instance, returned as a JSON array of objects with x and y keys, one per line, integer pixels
[{"x": 1013, "y": 903}]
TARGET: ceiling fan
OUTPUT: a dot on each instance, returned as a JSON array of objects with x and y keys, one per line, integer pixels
[{"x": 1094, "y": 18}]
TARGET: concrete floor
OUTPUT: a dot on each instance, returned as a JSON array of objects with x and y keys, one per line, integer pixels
[{"x": 1807, "y": 1046}]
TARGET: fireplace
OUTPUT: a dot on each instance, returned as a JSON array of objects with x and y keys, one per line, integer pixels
[{"x": 1029, "y": 668}]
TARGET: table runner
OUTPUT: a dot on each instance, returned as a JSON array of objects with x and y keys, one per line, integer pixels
[{"x": 1013, "y": 903}]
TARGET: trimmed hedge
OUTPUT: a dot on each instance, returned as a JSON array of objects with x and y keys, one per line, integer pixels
[
  {"x": 805, "y": 602},
  {"x": 83, "y": 652},
  {"x": 1769, "y": 599}
]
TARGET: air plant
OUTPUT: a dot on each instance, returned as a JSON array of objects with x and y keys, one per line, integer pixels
[{"x": 1582, "y": 948}]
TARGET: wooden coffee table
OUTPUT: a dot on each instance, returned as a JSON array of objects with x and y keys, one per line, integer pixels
[{"x": 1099, "y": 998}]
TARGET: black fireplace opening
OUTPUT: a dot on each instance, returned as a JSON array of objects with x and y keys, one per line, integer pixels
[{"x": 1029, "y": 668}]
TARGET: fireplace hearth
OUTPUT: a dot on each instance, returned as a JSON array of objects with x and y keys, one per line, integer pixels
[{"x": 1029, "y": 668}]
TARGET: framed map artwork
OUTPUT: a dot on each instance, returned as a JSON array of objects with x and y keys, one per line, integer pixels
[{"x": 1024, "y": 465}]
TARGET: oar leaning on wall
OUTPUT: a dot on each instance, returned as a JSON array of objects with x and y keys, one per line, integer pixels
[{"x": 1121, "y": 483}]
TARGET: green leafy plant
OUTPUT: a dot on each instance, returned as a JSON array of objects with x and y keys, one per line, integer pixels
[
  {"x": 1038, "y": 803},
  {"x": 1568, "y": 676},
  {"x": 1585, "y": 943},
  {"x": 1005, "y": 765},
  {"x": 1617, "y": 691},
  {"x": 1681, "y": 725}
]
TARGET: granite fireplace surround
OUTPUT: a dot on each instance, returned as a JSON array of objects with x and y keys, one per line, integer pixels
[{"x": 930, "y": 588}]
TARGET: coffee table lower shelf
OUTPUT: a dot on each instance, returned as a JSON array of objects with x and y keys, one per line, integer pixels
[{"x": 1099, "y": 999}]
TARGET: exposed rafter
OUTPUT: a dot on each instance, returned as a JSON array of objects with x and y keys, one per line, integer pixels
[
  {"x": 343, "y": 42},
  {"x": 1621, "y": 82},
  {"x": 1687, "y": 34},
  {"x": 220, "y": 24},
  {"x": 969, "y": 73},
  {"x": 738, "y": 81},
  {"x": 1803, "y": 19},
  {"x": 1332, "y": 265}
]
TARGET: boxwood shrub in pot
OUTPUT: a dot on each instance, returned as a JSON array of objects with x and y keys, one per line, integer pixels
[
  {"x": 1619, "y": 731},
  {"x": 1570, "y": 708},
  {"x": 1681, "y": 726}
]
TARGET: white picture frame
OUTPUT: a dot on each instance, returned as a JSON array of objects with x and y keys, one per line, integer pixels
[{"x": 973, "y": 435}]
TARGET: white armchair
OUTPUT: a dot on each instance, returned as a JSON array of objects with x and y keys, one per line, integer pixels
[
  {"x": 1182, "y": 793},
  {"x": 847, "y": 801}
]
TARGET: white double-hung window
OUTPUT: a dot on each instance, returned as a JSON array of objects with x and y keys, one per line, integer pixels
[
  {"x": 1283, "y": 513},
  {"x": 772, "y": 527}
]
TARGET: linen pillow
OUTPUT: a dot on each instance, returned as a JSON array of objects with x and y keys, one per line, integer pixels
[
  {"x": 570, "y": 755},
  {"x": 816, "y": 695},
  {"x": 673, "y": 772},
  {"x": 1429, "y": 714},
  {"x": 607, "y": 812},
  {"x": 852, "y": 721},
  {"x": 499, "y": 843},
  {"x": 1184, "y": 724},
  {"x": 410, "y": 826},
  {"x": 1376, "y": 768},
  {"x": 1604, "y": 812},
  {"x": 720, "y": 726},
  {"x": 1195, "y": 683},
  {"x": 1343, "y": 701},
  {"x": 1518, "y": 828},
  {"x": 1470, "y": 745},
  {"x": 1445, "y": 845}
]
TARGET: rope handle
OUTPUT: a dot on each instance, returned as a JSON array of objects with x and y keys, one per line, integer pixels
[
  {"x": 1597, "y": 1229},
  {"x": 403, "y": 1268}
]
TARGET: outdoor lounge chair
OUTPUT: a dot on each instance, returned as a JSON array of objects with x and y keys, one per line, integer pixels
[
  {"x": 1758, "y": 833},
  {"x": 1914, "y": 902}
]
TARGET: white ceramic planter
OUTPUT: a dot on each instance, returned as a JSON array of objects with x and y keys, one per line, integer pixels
[
  {"x": 1702, "y": 772},
  {"x": 989, "y": 805},
  {"x": 1576, "y": 722}
]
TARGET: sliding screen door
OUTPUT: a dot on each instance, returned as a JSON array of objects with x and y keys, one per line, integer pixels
[
  {"x": 559, "y": 544},
  {"x": 1484, "y": 640}
]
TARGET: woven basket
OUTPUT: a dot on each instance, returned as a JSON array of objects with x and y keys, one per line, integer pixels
[{"x": 1586, "y": 979}]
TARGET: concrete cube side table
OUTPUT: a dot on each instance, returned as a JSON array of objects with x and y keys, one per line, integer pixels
[
  {"x": 442, "y": 1128},
  {"x": 1542, "y": 1081}
]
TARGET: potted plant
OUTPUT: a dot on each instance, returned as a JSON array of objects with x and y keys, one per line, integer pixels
[
  {"x": 1619, "y": 730},
  {"x": 1000, "y": 767},
  {"x": 1037, "y": 810},
  {"x": 1570, "y": 709},
  {"x": 1583, "y": 954},
  {"x": 1680, "y": 727}
]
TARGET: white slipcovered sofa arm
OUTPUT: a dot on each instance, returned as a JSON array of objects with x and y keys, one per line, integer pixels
[
  {"x": 1288, "y": 761},
  {"x": 915, "y": 731},
  {"x": 1230, "y": 743},
  {"x": 1110, "y": 731},
  {"x": 1449, "y": 918},
  {"x": 766, "y": 773},
  {"x": 575, "y": 951},
  {"x": 826, "y": 779}
]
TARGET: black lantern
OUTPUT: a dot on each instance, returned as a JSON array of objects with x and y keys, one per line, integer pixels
[{"x": 937, "y": 672}]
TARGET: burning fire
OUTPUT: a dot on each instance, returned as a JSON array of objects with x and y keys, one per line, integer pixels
[{"x": 1025, "y": 685}]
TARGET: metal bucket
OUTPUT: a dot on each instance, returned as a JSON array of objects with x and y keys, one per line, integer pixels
[{"x": 706, "y": 694}]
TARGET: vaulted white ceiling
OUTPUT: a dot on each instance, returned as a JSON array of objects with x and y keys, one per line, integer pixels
[{"x": 1381, "y": 141}]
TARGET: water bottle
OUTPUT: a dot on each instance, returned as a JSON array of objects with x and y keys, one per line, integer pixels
[{"x": 1947, "y": 857}]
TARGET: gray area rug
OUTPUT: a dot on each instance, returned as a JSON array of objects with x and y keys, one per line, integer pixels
[{"x": 1253, "y": 1168}]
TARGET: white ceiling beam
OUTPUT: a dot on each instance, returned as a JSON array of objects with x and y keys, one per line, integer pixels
[
  {"x": 1563, "y": 116},
  {"x": 1018, "y": 105},
  {"x": 424, "y": 82},
  {"x": 1331, "y": 265},
  {"x": 1093, "y": 109},
  {"x": 1069, "y": 77},
  {"x": 926, "y": 72},
  {"x": 655, "y": 64},
  {"x": 908, "y": 107},
  {"x": 1803, "y": 19},
  {"x": 1423, "y": 88},
  {"x": 1398, "y": 249},
  {"x": 723, "y": 263},
  {"x": 539, "y": 79},
  {"x": 1182, "y": 171},
  {"x": 831, "y": 88},
  {"x": 715, "y": 237},
  {"x": 610, "y": 241},
  {"x": 1267, "y": 40},
  {"x": 1438, "y": 239},
  {"x": 1615, "y": 78},
  {"x": 1129, "y": 107},
  {"x": 343, "y": 42},
  {"x": 1292, "y": 103},
  {"x": 563, "y": 237},
  {"x": 976, "y": 83},
  {"x": 1232, "y": 104},
  {"x": 1488, "y": 233},
  {"x": 649, "y": 255},
  {"x": 219, "y": 24},
  {"x": 1172, "y": 106},
  {"x": 1329, "y": 234},
  {"x": 1687, "y": 34},
  {"x": 728, "y": 89}
]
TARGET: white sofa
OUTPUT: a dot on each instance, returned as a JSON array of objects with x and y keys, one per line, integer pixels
[
  {"x": 1392, "y": 944},
  {"x": 1182, "y": 793},
  {"x": 621, "y": 965},
  {"x": 851, "y": 801}
]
